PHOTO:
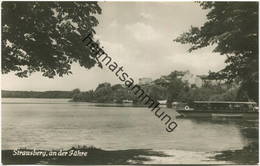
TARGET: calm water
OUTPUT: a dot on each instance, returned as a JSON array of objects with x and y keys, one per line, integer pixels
[{"x": 57, "y": 123}]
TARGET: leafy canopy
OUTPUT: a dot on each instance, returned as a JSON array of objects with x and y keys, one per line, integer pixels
[
  {"x": 232, "y": 27},
  {"x": 46, "y": 36}
]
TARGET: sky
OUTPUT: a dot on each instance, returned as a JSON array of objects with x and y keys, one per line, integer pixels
[{"x": 138, "y": 36}]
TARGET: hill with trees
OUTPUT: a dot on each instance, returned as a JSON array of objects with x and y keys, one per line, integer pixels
[
  {"x": 170, "y": 87},
  {"x": 35, "y": 94}
]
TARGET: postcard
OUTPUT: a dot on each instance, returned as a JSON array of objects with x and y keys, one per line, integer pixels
[{"x": 130, "y": 83}]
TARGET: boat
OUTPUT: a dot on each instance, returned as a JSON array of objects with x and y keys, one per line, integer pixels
[
  {"x": 206, "y": 109},
  {"x": 163, "y": 102},
  {"x": 127, "y": 101}
]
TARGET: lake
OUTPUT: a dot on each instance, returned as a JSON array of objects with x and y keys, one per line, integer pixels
[{"x": 60, "y": 124}]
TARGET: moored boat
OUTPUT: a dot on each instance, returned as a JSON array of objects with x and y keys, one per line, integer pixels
[{"x": 204, "y": 109}]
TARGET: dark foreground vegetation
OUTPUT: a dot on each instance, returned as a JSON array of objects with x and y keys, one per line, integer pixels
[
  {"x": 247, "y": 155},
  {"x": 95, "y": 156}
]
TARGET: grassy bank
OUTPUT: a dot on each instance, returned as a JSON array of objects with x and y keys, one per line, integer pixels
[{"x": 94, "y": 156}]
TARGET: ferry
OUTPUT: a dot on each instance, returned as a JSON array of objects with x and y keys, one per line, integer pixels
[{"x": 206, "y": 109}]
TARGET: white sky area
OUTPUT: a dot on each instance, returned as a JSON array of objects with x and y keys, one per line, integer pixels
[{"x": 138, "y": 36}]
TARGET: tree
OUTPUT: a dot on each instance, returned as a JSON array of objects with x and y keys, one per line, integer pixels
[
  {"x": 232, "y": 27},
  {"x": 47, "y": 36},
  {"x": 103, "y": 92},
  {"x": 117, "y": 87},
  {"x": 75, "y": 94},
  {"x": 76, "y": 91},
  {"x": 174, "y": 85}
]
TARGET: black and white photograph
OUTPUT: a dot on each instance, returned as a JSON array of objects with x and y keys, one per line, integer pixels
[{"x": 130, "y": 83}]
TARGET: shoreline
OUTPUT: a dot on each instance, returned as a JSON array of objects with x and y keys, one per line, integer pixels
[
  {"x": 94, "y": 156},
  {"x": 84, "y": 155}
]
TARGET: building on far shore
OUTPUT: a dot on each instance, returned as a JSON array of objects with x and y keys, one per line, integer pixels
[
  {"x": 206, "y": 81},
  {"x": 201, "y": 80},
  {"x": 145, "y": 80},
  {"x": 191, "y": 79}
]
